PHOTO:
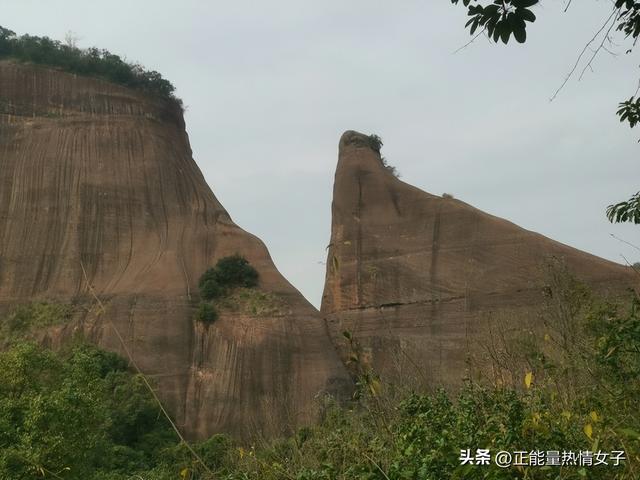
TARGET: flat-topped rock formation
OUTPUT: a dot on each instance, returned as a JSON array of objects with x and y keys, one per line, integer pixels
[
  {"x": 413, "y": 276},
  {"x": 100, "y": 178}
]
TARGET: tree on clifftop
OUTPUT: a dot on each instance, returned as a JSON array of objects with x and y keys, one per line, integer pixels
[
  {"x": 500, "y": 20},
  {"x": 90, "y": 61}
]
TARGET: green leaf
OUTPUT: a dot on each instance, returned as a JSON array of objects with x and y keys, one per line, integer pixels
[
  {"x": 520, "y": 34},
  {"x": 526, "y": 15},
  {"x": 505, "y": 33},
  {"x": 524, "y": 3}
]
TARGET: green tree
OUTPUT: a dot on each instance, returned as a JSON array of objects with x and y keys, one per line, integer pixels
[
  {"x": 501, "y": 20},
  {"x": 72, "y": 414},
  {"x": 206, "y": 313},
  {"x": 235, "y": 271},
  {"x": 209, "y": 286},
  {"x": 91, "y": 61}
]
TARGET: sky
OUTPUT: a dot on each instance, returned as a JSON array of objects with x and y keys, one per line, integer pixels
[{"x": 270, "y": 87}]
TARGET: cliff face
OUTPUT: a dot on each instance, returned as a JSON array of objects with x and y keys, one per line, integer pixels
[
  {"x": 100, "y": 178},
  {"x": 414, "y": 276}
]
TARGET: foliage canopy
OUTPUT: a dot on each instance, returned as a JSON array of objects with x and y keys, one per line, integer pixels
[
  {"x": 91, "y": 61},
  {"x": 74, "y": 415},
  {"x": 229, "y": 272}
]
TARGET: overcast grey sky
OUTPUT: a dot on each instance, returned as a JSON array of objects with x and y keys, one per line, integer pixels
[{"x": 270, "y": 87}]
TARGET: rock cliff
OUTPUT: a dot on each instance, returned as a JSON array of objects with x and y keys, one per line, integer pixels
[
  {"x": 414, "y": 276},
  {"x": 100, "y": 178}
]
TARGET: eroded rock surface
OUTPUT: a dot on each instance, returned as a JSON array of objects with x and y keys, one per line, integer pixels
[
  {"x": 98, "y": 177},
  {"x": 414, "y": 276}
]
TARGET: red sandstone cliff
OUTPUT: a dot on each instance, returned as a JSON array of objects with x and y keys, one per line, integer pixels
[
  {"x": 98, "y": 176},
  {"x": 413, "y": 275}
]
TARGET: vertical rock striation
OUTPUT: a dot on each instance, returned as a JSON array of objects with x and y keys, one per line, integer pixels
[
  {"x": 100, "y": 178},
  {"x": 414, "y": 276}
]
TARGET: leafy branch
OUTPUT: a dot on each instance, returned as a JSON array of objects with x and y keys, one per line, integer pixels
[
  {"x": 628, "y": 211},
  {"x": 501, "y": 19}
]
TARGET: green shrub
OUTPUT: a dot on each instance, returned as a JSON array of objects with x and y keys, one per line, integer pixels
[
  {"x": 26, "y": 319},
  {"x": 81, "y": 415},
  {"x": 235, "y": 271},
  {"x": 229, "y": 273},
  {"x": 209, "y": 286},
  {"x": 250, "y": 301},
  {"x": 375, "y": 142},
  {"x": 206, "y": 313},
  {"x": 76, "y": 414},
  {"x": 390, "y": 168}
]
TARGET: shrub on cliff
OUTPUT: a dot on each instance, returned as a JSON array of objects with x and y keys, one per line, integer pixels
[
  {"x": 375, "y": 143},
  {"x": 229, "y": 273},
  {"x": 390, "y": 168},
  {"x": 27, "y": 319},
  {"x": 206, "y": 313},
  {"x": 209, "y": 286},
  {"x": 91, "y": 61},
  {"x": 235, "y": 271}
]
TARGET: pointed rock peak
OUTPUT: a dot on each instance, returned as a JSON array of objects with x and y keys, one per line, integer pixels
[
  {"x": 360, "y": 156},
  {"x": 414, "y": 275},
  {"x": 360, "y": 151},
  {"x": 353, "y": 139}
]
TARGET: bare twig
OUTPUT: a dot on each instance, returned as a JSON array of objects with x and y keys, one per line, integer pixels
[
  {"x": 635, "y": 269},
  {"x": 624, "y": 241},
  {"x": 376, "y": 465},
  {"x": 568, "y": 5},
  {"x": 584, "y": 50},
  {"x": 470, "y": 41},
  {"x": 600, "y": 47}
]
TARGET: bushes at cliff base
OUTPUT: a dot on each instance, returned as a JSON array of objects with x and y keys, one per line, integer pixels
[{"x": 75, "y": 415}]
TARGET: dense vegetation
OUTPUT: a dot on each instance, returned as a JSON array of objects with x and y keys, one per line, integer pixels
[
  {"x": 24, "y": 319},
  {"x": 76, "y": 414},
  {"x": 229, "y": 273},
  {"x": 79, "y": 414},
  {"x": 91, "y": 61}
]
